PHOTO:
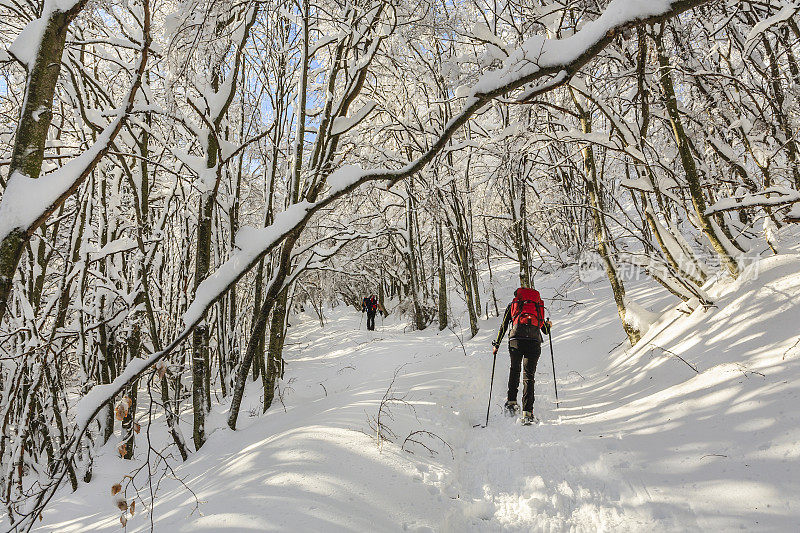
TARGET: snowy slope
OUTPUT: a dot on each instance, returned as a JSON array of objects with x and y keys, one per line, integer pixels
[{"x": 641, "y": 441}]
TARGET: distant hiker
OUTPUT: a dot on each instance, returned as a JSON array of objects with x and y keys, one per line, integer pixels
[
  {"x": 525, "y": 314},
  {"x": 370, "y": 306}
]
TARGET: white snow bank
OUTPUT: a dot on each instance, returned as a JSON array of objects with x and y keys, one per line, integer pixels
[{"x": 639, "y": 317}]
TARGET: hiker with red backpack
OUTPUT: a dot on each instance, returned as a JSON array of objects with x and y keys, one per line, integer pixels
[
  {"x": 525, "y": 315},
  {"x": 370, "y": 306}
]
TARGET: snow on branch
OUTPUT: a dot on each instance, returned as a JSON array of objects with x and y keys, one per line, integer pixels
[
  {"x": 793, "y": 215},
  {"x": 28, "y": 202},
  {"x": 250, "y": 245},
  {"x": 539, "y": 56},
  {"x": 344, "y": 124},
  {"x": 25, "y": 199},
  {"x": 770, "y": 197},
  {"x": 26, "y": 46},
  {"x": 789, "y": 10}
]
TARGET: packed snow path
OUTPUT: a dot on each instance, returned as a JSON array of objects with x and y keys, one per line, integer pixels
[{"x": 641, "y": 442}]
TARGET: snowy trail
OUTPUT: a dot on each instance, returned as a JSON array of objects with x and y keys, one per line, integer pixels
[
  {"x": 641, "y": 442},
  {"x": 316, "y": 466},
  {"x": 552, "y": 476}
]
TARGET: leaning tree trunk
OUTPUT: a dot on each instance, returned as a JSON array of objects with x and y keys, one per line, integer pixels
[
  {"x": 596, "y": 208},
  {"x": 260, "y": 323},
  {"x": 707, "y": 225}
]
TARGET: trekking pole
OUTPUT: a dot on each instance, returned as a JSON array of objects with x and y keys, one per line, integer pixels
[
  {"x": 361, "y": 321},
  {"x": 491, "y": 383},
  {"x": 553, "y": 361}
]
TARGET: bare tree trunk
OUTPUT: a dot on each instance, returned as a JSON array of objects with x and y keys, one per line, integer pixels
[
  {"x": 519, "y": 224},
  {"x": 442, "y": 267},
  {"x": 201, "y": 334},
  {"x": 411, "y": 261},
  {"x": 277, "y": 337},
  {"x": 489, "y": 265},
  {"x": 129, "y": 420}
]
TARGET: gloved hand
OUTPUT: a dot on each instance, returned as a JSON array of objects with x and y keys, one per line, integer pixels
[{"x": 494, "y": 352}]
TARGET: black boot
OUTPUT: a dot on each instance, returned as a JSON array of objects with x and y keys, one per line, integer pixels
[{"x": 511, "y": 408}]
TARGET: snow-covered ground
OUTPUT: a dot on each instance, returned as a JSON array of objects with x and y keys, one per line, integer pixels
[{"x": 697, "y": 428}]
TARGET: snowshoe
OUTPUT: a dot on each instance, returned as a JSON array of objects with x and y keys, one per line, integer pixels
[
  {"x": 528, "y": 419},
  {"x": 511, "y": 409}
]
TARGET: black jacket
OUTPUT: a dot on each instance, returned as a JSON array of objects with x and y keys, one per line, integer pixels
[
  {"x": 519, "y": 332},
  {"x": 369, "y": 305}
]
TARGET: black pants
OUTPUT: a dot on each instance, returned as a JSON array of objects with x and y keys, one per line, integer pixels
[
  {"x": 524, "y": 356},
  {"x": 371, "y": 320}
]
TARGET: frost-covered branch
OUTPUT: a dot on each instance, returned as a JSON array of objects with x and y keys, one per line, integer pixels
[{"x": 770, "y": 197}]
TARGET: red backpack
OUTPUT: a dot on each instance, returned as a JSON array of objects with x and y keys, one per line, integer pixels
[{"x": 527, "y": 308}]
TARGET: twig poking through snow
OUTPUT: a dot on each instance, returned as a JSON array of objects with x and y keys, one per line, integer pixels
[
  {"x": 377, "y": 424},
  {"x": 576, "y": 372},
  {"x": 744, "y": 370},
  {"x": 460, "y": 339},
  {"x": 690, "y": 365},
  {"x": 411, "y": 440},
  {"x": 789, "y": 350}
]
